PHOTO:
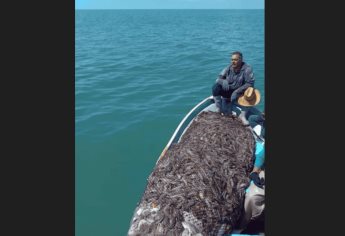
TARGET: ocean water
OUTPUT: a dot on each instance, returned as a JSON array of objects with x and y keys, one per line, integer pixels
[{"x": 138, "y": 73}]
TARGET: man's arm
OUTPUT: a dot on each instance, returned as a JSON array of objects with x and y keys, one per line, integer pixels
[
  {"x": 256, "y": 169},
  {"x": 221, "y": 79},
  {"x": 258, "y": 165},
  {"x": 222, "y": 74},
  {"x": 249, "y": 82},
  {"x": 259, "y": 157}
]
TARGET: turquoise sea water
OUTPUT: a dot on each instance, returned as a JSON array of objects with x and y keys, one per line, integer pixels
[{"x": 138, "y": 73}]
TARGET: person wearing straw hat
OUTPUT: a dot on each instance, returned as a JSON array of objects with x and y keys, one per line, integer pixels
[
  {"x": 232, "y": 81},
  {"x": 251, "y": 97},
  {"x": 254, "y": 203}
]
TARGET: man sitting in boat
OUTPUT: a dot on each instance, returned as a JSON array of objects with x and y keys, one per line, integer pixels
[{"x": 232, "y": 81}]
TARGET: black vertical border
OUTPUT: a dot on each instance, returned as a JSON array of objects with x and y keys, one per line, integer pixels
[
  {"x": 37, "y": 107},
  {"x": 303, "y": 66}
]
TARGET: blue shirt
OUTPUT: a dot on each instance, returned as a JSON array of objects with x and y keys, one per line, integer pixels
[
  {"x": 238, "y": 81},
  {"x": 259, "y": 155}
]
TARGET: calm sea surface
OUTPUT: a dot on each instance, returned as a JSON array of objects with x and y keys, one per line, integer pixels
[{"x": 138, "y": 73}]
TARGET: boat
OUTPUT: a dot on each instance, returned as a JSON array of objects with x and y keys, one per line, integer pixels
[{"x": 208, "y": 105}]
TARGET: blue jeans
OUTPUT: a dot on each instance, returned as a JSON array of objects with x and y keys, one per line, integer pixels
[
  {"x": 217, "y": 90},
  {"x": 257, "y": 120},
  {"x": 226, "y": 106}
]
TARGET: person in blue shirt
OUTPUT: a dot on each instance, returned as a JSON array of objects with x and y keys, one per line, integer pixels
[
  {"x": 254, "y": 203},
  {"x": 232, "y": 81}
]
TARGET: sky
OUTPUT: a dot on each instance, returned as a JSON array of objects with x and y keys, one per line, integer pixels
[{"x": 169, "y": 4}]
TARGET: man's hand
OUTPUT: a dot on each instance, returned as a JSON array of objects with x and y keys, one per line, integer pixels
[
  {"x": 233, "y": 97},
  {"x": 260, "y": 182},
  {"x": 224, "y": 83}
]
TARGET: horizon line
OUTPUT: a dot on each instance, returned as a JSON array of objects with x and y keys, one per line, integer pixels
[{"x": 169, "y": 9}]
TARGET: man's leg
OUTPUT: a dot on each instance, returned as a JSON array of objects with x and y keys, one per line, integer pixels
[
  {"x": 255, "y": 120},
  {"x": 243, "y": 113},
  {"x": 217, "y": 93},
  {"x": 243, "y": 118}
]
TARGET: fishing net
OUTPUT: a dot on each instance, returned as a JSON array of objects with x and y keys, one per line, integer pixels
[{"x": 198, "y": 186}]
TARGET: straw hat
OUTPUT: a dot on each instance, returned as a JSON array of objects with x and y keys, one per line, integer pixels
[{"x": 251, "y": 97}]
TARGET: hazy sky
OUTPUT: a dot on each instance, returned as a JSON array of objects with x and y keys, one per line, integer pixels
[{"x": 169, "y": 4}]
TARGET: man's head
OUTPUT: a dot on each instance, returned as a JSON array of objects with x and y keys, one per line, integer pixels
[{"x": 236, "y": 59}]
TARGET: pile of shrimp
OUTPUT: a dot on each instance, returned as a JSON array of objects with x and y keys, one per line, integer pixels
[{"x": 198, "y": 186}]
